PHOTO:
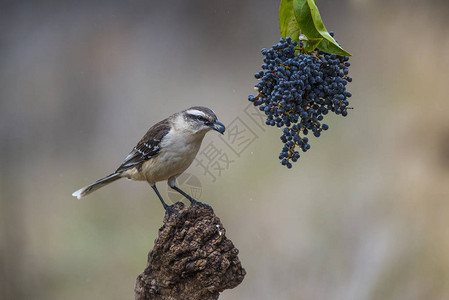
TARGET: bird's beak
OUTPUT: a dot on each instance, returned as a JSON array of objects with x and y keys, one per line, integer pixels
[{"x": 218, "y": 126}]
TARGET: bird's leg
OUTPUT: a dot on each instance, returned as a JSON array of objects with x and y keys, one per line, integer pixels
[
  {"x": 167, "y": 208},
  {"x": 192, "y": 201}
]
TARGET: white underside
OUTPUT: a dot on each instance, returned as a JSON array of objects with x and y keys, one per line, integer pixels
[{"x": 178, "y": 150}]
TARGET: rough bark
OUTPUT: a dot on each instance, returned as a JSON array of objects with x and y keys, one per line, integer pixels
[{"x": 192, "y": 258}]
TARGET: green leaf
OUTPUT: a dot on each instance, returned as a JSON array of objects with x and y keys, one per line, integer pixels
[
  {"x": 328, "y": 44},
  {"x": 304, "y": 18},
  {"x": 287, "y": 21},
  {"x": 311, "y": 44},
  {"x": 311, "y": 25}
]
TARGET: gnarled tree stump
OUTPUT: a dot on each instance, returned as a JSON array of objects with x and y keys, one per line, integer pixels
[{"x": 192, "y": 258}]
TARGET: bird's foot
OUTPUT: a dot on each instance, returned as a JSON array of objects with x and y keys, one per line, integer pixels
[
  {"x": 195, "y": 204},
  {"x": 169, "y": 209}
]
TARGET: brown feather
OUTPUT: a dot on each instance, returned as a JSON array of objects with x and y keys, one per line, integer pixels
[{"x": 147, "y": 147}]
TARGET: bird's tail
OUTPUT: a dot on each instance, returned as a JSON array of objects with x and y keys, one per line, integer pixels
[{"x": 96, "y": 185}]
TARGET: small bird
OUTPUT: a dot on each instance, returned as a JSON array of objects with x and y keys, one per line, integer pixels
[{"x": 165, "y": 152}]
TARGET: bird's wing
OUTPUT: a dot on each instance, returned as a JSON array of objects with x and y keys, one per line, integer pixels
[{"x": 147, "y": 147}]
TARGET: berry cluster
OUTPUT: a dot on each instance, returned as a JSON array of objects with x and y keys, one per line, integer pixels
[{"x": 296, "y": 91}]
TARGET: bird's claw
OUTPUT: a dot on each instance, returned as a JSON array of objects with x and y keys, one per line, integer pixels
[
  {"x": 195, "y": 204},
  {"x": 170, "y": 210}
]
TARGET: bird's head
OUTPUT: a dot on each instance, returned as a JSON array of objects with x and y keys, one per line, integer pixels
[{"x": 201, "y": 119}]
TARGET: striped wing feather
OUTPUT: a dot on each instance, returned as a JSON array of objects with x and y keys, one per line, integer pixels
[{"x": 147, "y": 147}]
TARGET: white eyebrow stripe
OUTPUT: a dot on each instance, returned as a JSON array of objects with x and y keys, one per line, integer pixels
[{"x": 195, "y": 112}]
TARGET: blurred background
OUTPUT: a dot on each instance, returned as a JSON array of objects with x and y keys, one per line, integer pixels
[{"x": 363, "y": 215}]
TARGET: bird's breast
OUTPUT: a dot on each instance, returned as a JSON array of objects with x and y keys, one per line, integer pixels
[{"x": 178, "y": 150}]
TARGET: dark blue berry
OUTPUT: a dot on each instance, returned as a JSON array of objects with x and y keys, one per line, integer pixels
[{"x": 297, "y": 91}]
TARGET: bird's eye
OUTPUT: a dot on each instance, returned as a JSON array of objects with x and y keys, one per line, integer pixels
[{"x": 201, "y": 118}]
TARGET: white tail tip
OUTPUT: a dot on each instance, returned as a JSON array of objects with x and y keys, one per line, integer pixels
[{"x": 78, "y": 193}]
